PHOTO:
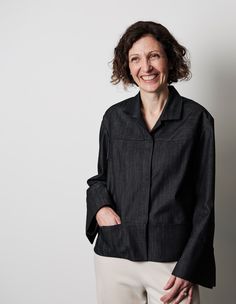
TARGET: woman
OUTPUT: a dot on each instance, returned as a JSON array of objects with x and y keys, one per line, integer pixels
[{"x": 152, "y": 201}]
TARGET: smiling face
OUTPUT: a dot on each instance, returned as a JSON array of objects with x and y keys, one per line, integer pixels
[{"x": 148, "y": 64}]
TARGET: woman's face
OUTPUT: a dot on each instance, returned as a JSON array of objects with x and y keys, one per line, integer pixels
[{"x": 148, "y": 64}]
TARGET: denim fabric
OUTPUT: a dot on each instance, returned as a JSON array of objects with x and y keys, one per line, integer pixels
[{"x": 162, "y": 185}]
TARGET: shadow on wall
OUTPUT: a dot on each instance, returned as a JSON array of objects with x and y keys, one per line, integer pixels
[{"x": 221, "y": 87}]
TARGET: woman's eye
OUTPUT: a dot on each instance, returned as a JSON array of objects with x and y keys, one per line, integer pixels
[
  {"x": 134, "y": 59},
  {"x": 155, "y": 55}
]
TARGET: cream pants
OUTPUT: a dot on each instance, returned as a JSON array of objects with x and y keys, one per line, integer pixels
[{"x": 121, "y": 281}]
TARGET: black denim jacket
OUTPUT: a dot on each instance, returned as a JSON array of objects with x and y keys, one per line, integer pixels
[{"x": 162, "y": 185}]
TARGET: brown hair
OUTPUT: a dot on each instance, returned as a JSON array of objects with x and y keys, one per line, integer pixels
[{"x": 179, "y": 64}]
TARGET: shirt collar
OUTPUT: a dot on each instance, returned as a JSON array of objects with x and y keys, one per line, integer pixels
[{"x": 172, "y": 109}]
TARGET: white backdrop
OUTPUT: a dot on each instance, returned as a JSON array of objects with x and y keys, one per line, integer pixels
[{"x": 54, "y": 78}]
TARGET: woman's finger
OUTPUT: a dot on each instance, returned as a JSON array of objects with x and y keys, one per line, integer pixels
[
  {"x": 118, "y": 220},
  {"x": 190, "y": 295},
  {"x": 171, "y": 295},
  {"x": 170, "y": 282},
  {"x": 181, "y": 296}
]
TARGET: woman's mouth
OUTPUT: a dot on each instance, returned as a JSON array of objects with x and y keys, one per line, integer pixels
[{"x": 149, "y": 78}]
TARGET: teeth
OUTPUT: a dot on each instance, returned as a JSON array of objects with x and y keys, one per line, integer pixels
[{"x": 149, "y": 77}]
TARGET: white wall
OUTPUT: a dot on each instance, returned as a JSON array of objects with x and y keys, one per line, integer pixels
[{"x": 54, "y": 78}]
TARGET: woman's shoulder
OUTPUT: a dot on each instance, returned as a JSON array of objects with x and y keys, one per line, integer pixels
[
  {"x": 117, "y": 107},
  {"x": 196, "y": 109},
  {"x": 190, "y": 108}
]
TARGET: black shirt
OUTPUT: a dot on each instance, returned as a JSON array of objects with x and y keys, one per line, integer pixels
[{"x": 162, "y": 185}]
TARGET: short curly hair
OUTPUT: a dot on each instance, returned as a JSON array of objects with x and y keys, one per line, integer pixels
[{"x": 179, "y": 63}]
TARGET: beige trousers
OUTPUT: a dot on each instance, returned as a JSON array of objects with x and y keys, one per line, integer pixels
[{"x": 121, "y": 281}]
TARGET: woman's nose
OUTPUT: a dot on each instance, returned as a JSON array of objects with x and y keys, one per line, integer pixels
[{"x": 145, "y": 65}]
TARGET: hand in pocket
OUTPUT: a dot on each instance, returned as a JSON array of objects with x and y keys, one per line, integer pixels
[{"x": 106, "y": 216}]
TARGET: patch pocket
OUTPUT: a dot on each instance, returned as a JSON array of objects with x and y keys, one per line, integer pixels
[{"x": 111, "y": 237}]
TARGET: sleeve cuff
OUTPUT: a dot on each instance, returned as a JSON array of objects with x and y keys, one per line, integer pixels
[{"x": 97, "y": 197}]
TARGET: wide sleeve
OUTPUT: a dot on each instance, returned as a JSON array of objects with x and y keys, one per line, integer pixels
[
  {"x": 97, "y": 195},
  {"x": 197, "y": 262}
]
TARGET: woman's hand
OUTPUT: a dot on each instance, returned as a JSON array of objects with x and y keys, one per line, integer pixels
[
  {"x": 106, "y": 216},
  {"x": 180, "y": 289}
]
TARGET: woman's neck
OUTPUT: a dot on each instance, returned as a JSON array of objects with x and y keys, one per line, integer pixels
[{"x": 153, "y": 103}]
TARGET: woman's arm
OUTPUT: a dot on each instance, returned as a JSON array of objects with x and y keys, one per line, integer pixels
[
  {"x": 197, "y": 263},
  {"x": 97, "y": 193}
]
